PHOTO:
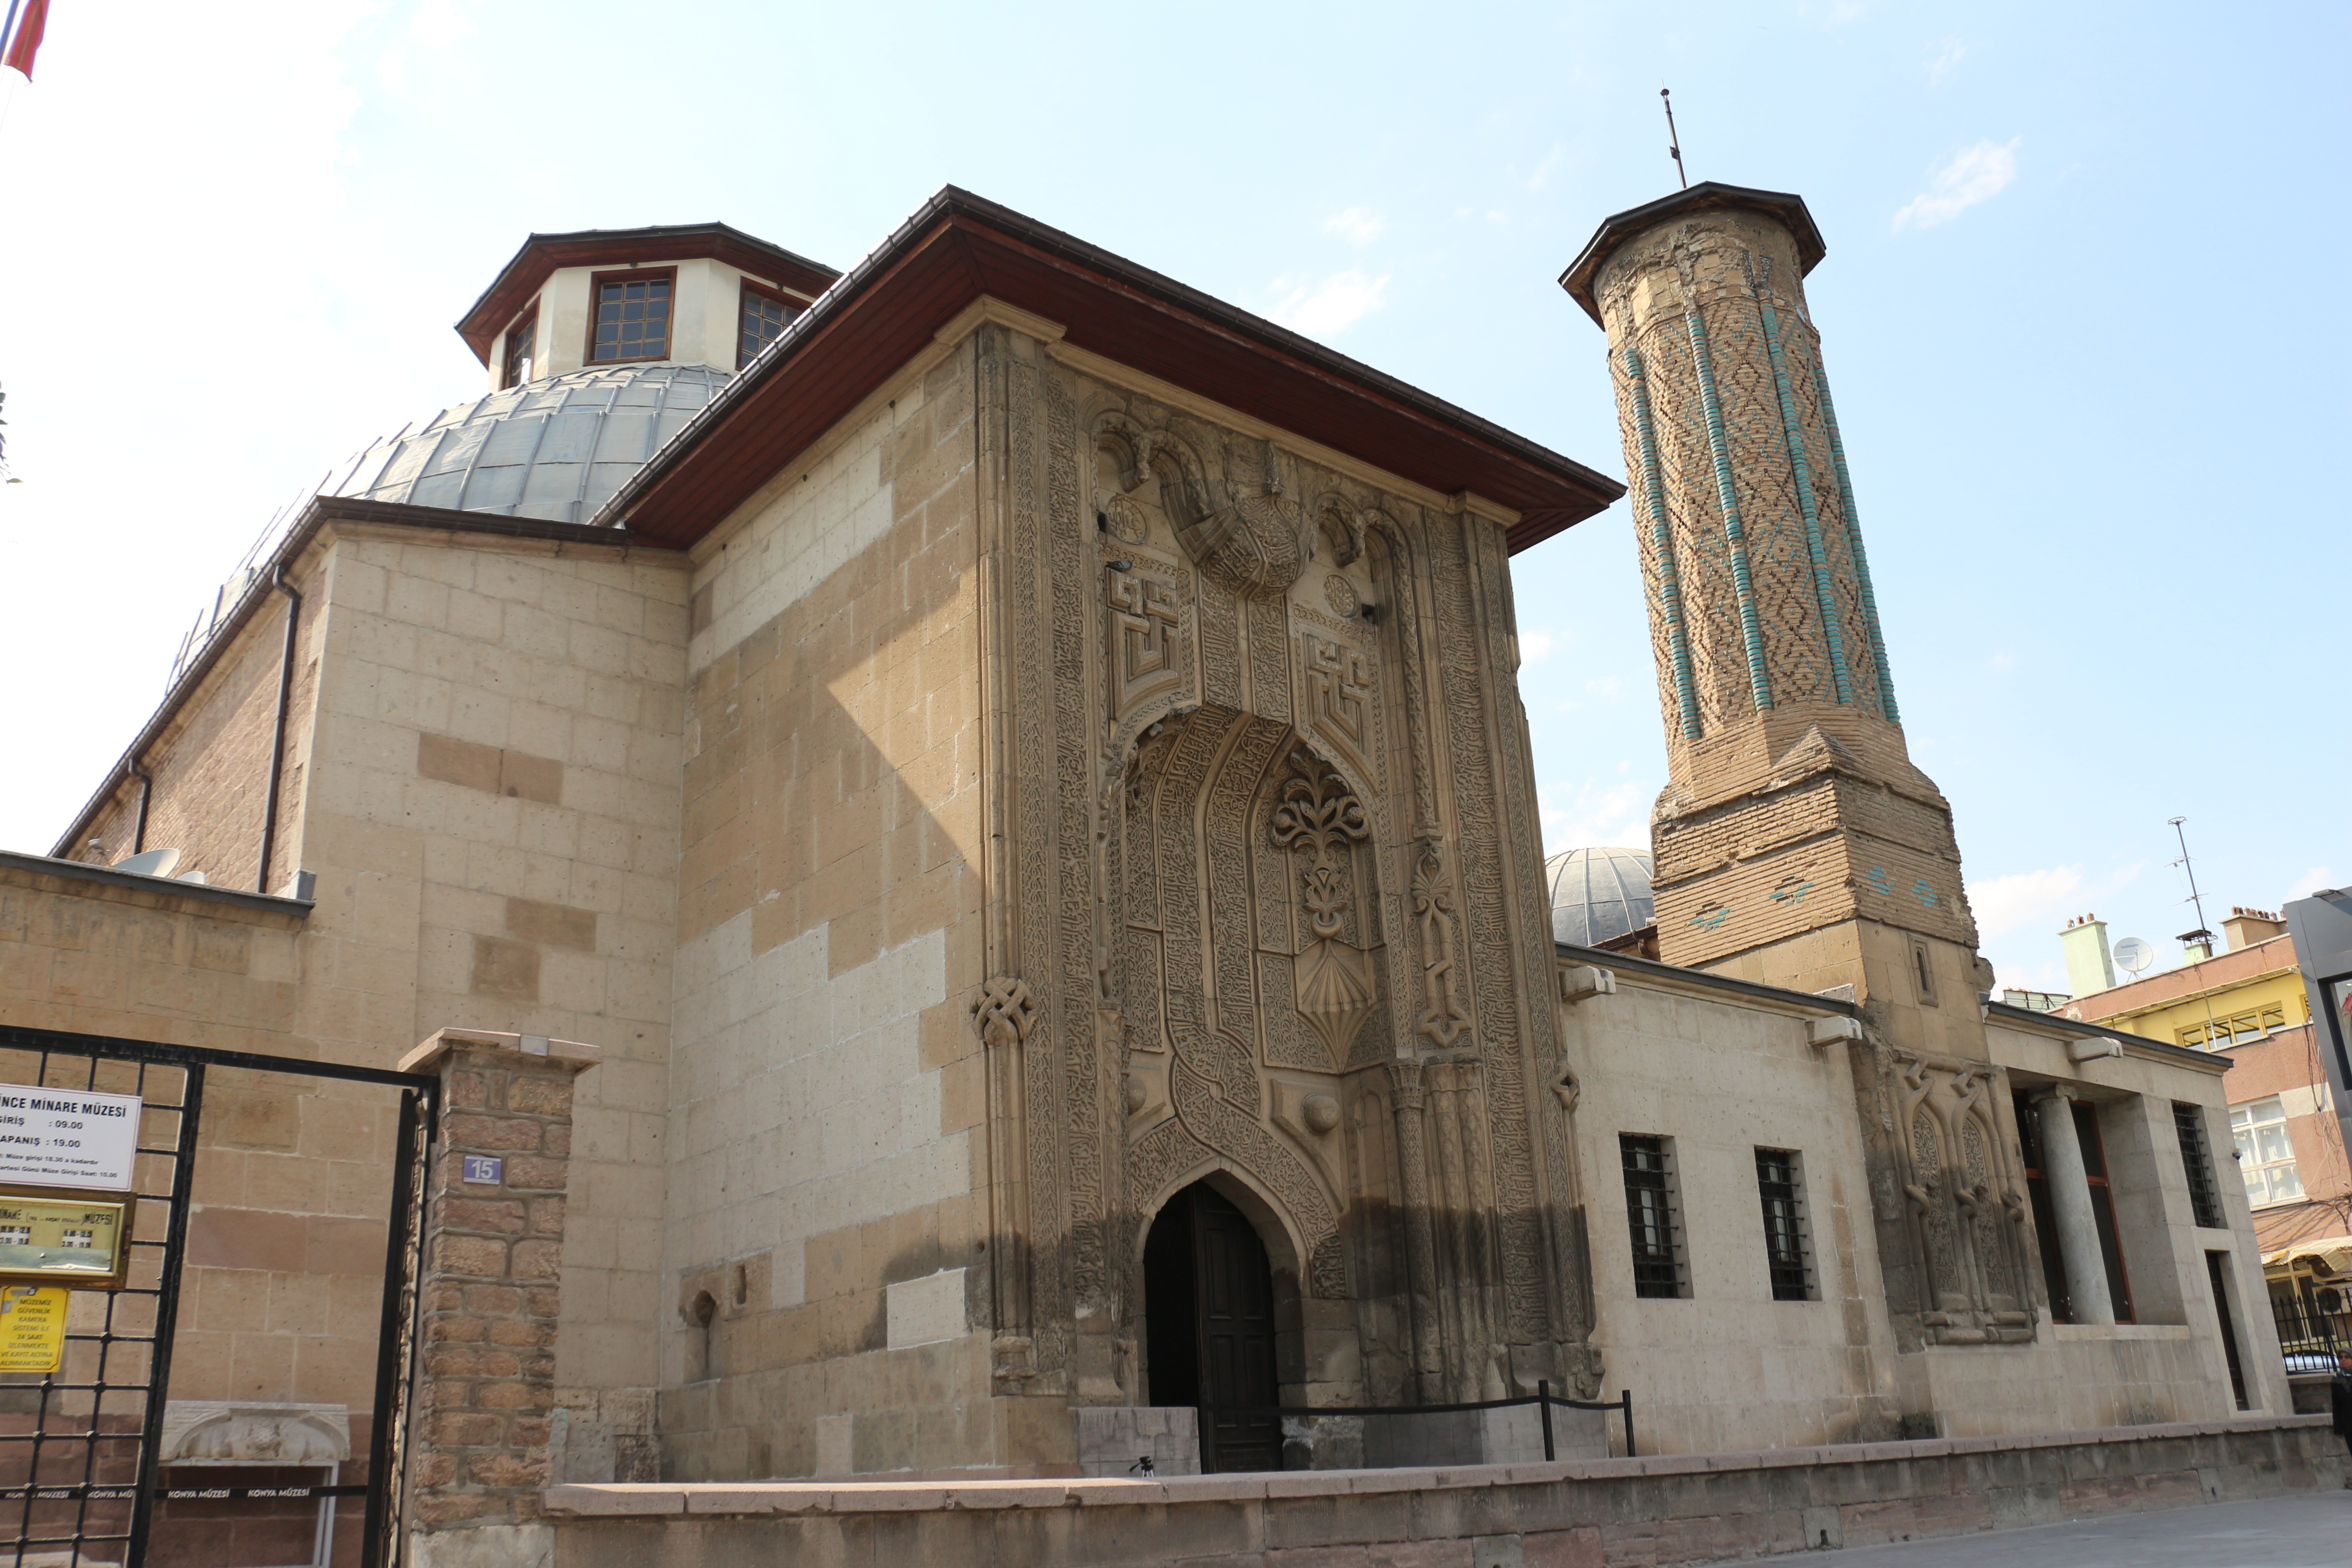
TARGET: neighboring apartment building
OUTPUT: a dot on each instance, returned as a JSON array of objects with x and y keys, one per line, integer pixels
[{"x": 2247, "y": 1002}]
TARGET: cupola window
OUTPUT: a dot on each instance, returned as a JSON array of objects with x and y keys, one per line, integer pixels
[
  {"x": 632, "y": 317},
  {"x": 522, "y": 338},
  {"x": 763, "y": 320}
]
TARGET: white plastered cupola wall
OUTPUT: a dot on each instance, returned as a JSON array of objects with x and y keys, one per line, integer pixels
[{"x": 705, "y": 316}]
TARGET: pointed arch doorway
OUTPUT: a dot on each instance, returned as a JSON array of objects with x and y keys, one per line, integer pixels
[{"x": 1209, "y": 1325}]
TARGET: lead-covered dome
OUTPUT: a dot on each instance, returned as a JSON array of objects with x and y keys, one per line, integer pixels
[
  {"x": 556, "y": 448},
  {"x": 1597, "y": 894}
]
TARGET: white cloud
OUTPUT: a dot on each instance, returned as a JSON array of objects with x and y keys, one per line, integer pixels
[
  {"x": 1942, "y": 55},
  {"x": 2004, "y": 904},
  {"x": 1332, "y": 305},
  {"x": 1595, "y": 813},
  {"x": 439, "y": 23},
  {"x": 1544, "y": 169},
  {"x": 1357, "y": 226},
  {"x": 1975, "y": 175},
  {"x": 1533, "y": 646},
  {"x": 2310, "y": 882}
]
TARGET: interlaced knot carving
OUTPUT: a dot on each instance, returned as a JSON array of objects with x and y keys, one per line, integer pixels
[{"x": 1003, "y": 1012}]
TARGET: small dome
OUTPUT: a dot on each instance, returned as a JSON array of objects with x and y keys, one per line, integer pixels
[
  {"x": 1597, "y": 894},
  {"x": 556, "y": 448}
]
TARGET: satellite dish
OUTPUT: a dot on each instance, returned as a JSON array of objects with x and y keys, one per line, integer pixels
[
  {"x": 2133, "y": 954},
  {"x": 153, "y": 863}
]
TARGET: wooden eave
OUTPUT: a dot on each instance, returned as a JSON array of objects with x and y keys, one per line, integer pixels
[{"x": 959, "y": 248}]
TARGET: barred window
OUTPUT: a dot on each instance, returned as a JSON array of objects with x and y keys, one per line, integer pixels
[
  {"x": 760, "y": 321},
  {"x": 631, "y": 319},
  {"x": 1778, "y": 1184},
  {"x": 2204, "y": 1196},
  {"x": 1650, "y": 1217},
  {"x": 521, "y": 340}
]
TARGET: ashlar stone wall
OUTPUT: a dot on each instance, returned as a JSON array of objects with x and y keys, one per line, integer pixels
[
  {"x": 492, "y": 819},
  {"x": 1717, "y": 1074},
  {"x": 821, "y": 1222}
]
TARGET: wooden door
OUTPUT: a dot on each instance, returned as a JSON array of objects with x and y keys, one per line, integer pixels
[{"x": 1233, "y": 1309}]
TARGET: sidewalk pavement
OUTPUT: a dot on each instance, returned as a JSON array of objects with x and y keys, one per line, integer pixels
[{"x": 2302, "y": 1529}]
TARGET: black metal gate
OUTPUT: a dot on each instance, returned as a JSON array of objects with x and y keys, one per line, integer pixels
[{"x": 81, "y": 1447}]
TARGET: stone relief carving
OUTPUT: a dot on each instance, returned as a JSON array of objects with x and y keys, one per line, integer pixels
[
  {"x": 1229, "y": 509},
  {"x": 1002, "y": 1012},
  {"x": 1441, "y": 1021},
  {"x": 1320, "y": 820},
  {"x": 1964, "y": 1202},
  {"x": 1214, "y": 832},
  {"x": 254, "y": 1432},
  {"x": 1339, "y": 697},
  {"x": 1143, "y": 618}
]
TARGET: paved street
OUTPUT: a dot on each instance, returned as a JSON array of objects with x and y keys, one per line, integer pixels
[{"x": 2305, "y": 1530}]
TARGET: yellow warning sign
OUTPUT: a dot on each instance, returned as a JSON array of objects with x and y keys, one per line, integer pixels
[{"x": 33, "y": 1327}]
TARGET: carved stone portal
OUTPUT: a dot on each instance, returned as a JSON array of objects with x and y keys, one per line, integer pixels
[{"x": 1258, "y": 841}]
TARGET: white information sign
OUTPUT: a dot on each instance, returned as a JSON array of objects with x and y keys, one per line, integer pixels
[{"x": 67, "y": 1138}]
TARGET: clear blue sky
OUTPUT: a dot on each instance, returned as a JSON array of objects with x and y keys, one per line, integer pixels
[{"x": 2093, "y": 384}]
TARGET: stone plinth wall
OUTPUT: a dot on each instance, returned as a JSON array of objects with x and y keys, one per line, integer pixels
[{"x": 1596, "y": 1513}]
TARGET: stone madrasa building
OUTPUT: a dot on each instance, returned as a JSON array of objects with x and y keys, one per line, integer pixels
[{"x": 1012, "y": 772}]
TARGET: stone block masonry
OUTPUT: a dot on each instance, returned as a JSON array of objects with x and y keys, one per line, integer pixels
[
  {"x": 1594, "y": 1513},
  {"x": 490, "y": 1294}
]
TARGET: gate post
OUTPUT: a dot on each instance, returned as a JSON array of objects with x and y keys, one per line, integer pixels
[{"x": 489, "y": 1298}]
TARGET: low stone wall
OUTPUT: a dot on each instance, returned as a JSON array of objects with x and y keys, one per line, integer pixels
[{"x": 1591, "y": 1513}]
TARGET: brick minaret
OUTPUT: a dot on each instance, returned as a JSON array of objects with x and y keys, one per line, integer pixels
[{"x": 1796, "y": 843}]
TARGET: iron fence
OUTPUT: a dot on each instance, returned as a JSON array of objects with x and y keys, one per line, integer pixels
[
  {"x": 81, "y": 1447},
  {"x": 1543, "y": 1399},
  {"x": 2311, "y": 1340}
]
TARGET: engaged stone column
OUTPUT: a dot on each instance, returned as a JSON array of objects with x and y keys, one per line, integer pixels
[
  {"x": 2069, "y": 1181},
  {"x": 477, "y": 1455}
]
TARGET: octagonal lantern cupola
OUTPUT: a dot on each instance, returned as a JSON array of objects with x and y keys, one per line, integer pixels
[{"x": 689, "y": 294}]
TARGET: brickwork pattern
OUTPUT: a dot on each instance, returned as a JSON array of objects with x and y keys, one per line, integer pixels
[
  {"x": 1711, "y": 316},
  {"x": 1772, "y": 660},
  {"x": 491, "y": 1292},
  {"x": 209, "y": 771}
]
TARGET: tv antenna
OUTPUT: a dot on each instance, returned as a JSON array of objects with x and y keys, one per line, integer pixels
[
  {"x": 2133, "y": 954},
  {"x": 1673, "y": 137},
  {"x": 2200, "y": 933}
]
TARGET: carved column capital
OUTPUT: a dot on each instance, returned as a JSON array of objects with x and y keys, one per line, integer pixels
[{"x": 1404, "y": 1084}]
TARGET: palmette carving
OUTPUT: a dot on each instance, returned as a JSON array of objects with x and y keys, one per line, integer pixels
[{"x": 1321, "y": 821}]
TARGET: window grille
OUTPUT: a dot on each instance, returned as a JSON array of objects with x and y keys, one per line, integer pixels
[
  {"x": 632, "y": 320},
  {"x": 2265, "y": 1152},
  {"x": 1650, "y": 1217},
  {"x": 2204, "y": 1194},
  {"x": 1784, "y": 1225},
  {"x": 761, "y": 321}
]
